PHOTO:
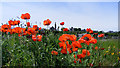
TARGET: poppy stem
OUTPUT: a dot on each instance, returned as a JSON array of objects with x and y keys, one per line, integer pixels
[
  {"x": 8, "y": 36},
  {"x": 66, "y": 48}
]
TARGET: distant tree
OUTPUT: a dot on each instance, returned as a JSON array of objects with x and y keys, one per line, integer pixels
[
  {"x": 84, "y": 30},
  {"x": 119, "y": 32},
  {"x": 71, "y": 28},
  {"x": 106, "y": 34},
  {"x": 100, "y": 32},
  {"x": 75, "y": 29},
  {"x": 79, "y": 29}
]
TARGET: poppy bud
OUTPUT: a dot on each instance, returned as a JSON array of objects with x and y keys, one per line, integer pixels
[
  {"x": 74, "y": 56},
  {"x": 80, "y": 61},
  {"x": 74, "y": 61},
  {"x": 96, "y": 48},
  {"x": 102, "y": 48},
  {"x": 91, "y": 65},
  {"x": 66, "y": 29},
  {"x": 54, "y": 53}
]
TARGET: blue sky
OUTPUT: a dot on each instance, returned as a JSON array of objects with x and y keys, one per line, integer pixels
[{"x": 94, "y": 15}]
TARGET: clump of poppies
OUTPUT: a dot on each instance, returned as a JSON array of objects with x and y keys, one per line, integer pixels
[{"x": 87, "y": 39}]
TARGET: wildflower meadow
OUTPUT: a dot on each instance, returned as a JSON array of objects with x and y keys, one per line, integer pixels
[{"x": 33, "y": 45}]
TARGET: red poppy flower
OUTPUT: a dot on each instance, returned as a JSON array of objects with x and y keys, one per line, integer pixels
[
  {"x": 84, "y": 51},
  {"x": 25, "y": 33},
  {"x": 69, "y": 50},
  {"x": 86, "y": 38},
  {"x": 25, "y": 16},
  {"x": 10, "y": 22},
  {"x": 13, "y": 30},
  {"x": 31, "y": 31},
  {"x": 95, "y": 33},
  {"x": 40, "y": 28},
  {"x": 73, "y": 37},
  {"x": 18, "y": 30},
  {"x": 65, "y": 29},
  {"x": 91, "y": 32},
  {"x": 93, "y": 40},
  {"x": 34, "y": 37},
  {"x": 46, "y": 22},
  {"x": 63, "y": 51},
  {"x": 88, "y": 29},
  {"x": 49, "y": 21},
  {"x": 74, "y": 49},
  {"x": 35, "y": 26},
  {"x": 101, "y": 35},
  {"x": 28, "y": 24},
  {"x": 62, "y": 23},
  {"x": 80, "y": 56},
  {"x": 54, "y": 52},
  {"x": 63, "y": 45},
  {"x": 68, "y": 45},
  {"x": 96, "y": 48},
  {"x": 9, "y": 31},
  {"x": 102, "y": 48},
  {"x": 23, "y": 30},
  {"x": 39, "y": 37},
  {"x": 66, "y": 37},
  {"x": 18, "y": 21},
  {"x": 5, "y": 27},
  {"x": 75, "y": 61},
  {"x": 76, "y": 45},
  {"x": 81, "y": 40},
  {"x": 15, "y": 22}
]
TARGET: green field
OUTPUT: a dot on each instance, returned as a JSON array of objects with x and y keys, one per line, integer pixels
[{"x": 23, "y": 51}]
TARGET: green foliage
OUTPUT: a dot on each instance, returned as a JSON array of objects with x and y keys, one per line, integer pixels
[{"x": 23, "y": 51}]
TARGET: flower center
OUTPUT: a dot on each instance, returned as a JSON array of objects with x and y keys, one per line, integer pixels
[{"x": 86, "y": 38}]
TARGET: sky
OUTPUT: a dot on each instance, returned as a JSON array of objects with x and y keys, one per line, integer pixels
[
  {"x": 95, "y": 15},
  {"x": 59, "y": 0}
]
